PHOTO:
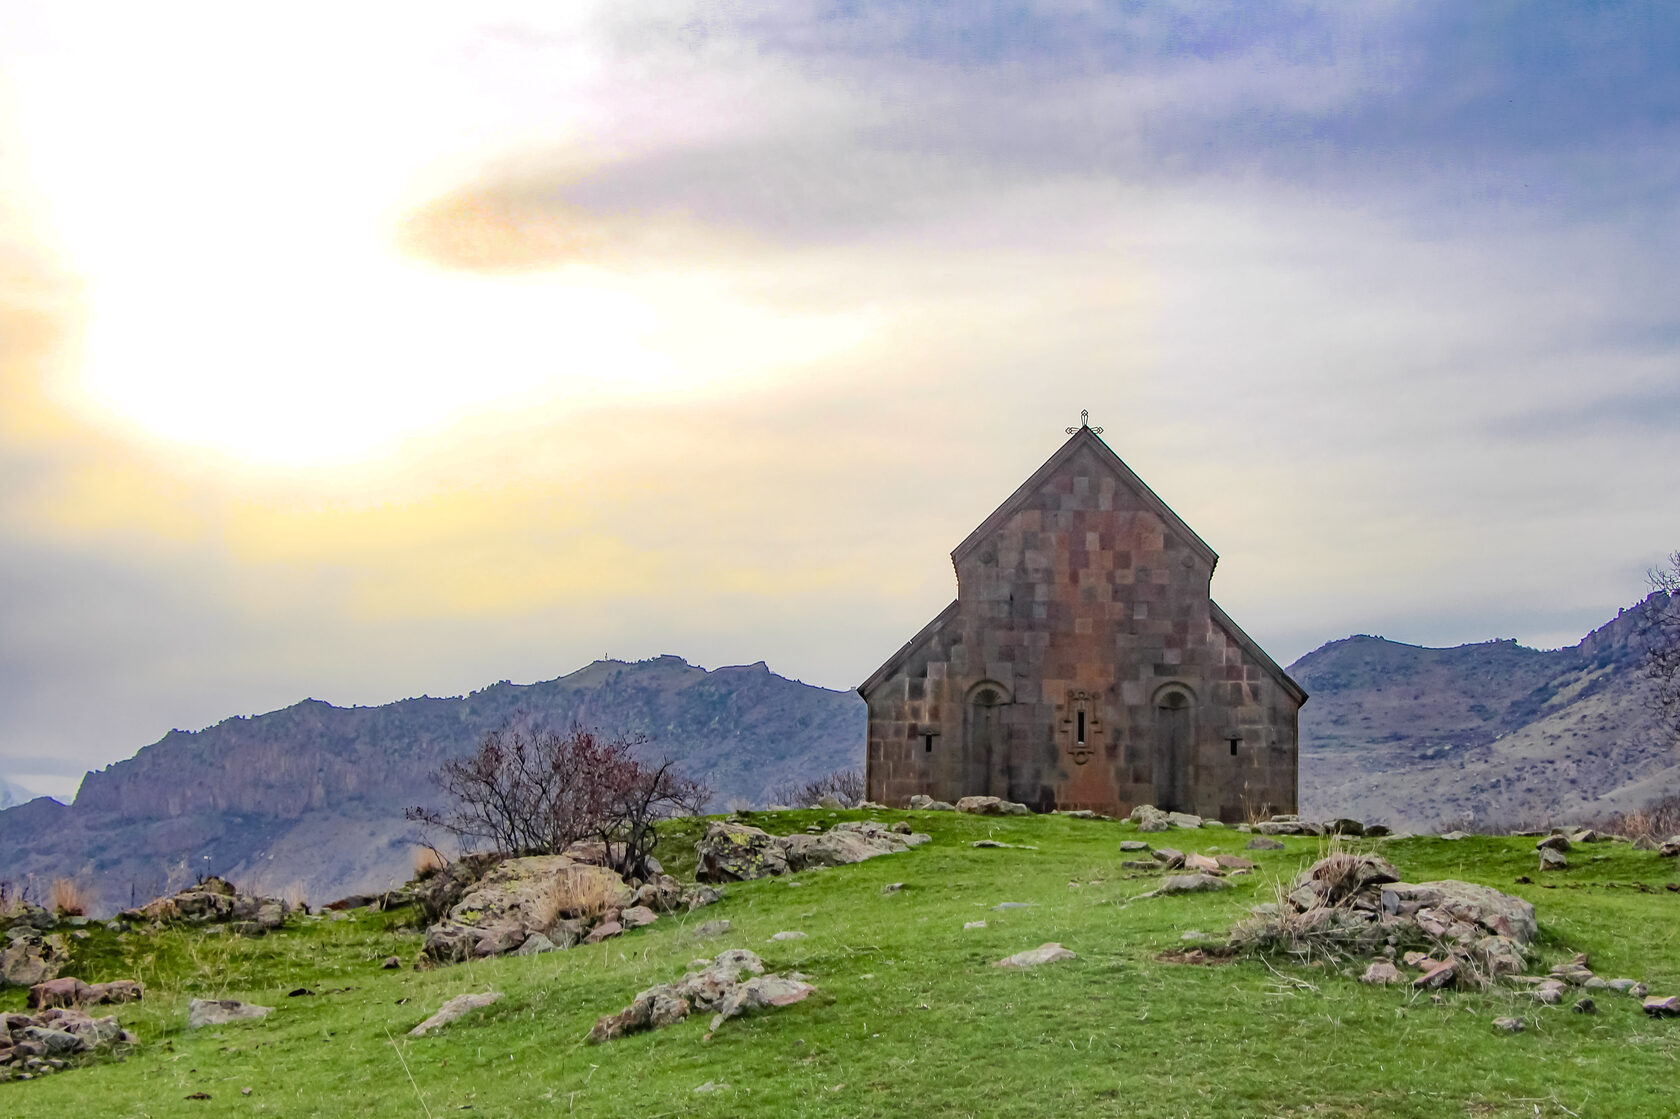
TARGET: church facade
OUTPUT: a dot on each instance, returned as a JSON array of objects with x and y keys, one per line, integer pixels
[{"x": 1085, "y": 665}]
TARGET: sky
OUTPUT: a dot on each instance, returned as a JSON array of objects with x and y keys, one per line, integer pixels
[{"x": 376, "y": 350}]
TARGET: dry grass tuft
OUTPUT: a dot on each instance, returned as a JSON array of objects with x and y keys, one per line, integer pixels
[
  {"x": 1654, "y": 823},
  {"x": 428, "y": 861},
  {"x": 576, "y": 891},
  {"x": 70, "y": 898}
]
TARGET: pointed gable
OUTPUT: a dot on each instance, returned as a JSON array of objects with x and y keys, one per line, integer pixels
[{"x": 1064, "y": 459}]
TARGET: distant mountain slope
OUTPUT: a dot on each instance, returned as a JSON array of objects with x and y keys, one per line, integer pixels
[
  {"x": 1493, "y": 732},
  {"x": 312, "y": 796},
  {"x": 11, "y": 794}
]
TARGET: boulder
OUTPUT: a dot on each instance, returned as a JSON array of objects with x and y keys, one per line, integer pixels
[
  {"x": 1133, "y": 845},
  {"x": 453, "y": 1009},
  {"x": 1043, "y": 954},
  {"x": 1184, "y": 820},
  {"x": 1662, "y": 1008},
  {"x": 1464, "y": 902},
  {"x": 637, "y": 916},
  {"x": 923, "y": 803},
  {"x": 1169, "y": 857},
  {"x": 731, "y": 852},
  {"x": 1344, "y": 826},
  {"x": 844, "y": 843},
  {"x": 1202, "y": 864},
  {"x": 1190, "y": 884},
  {"x": 65, "y": 991},
  {"x": 603, "y": 931},
  {"x": 1264, "y": 843},
  {"x": 29, "y": 958},
  {"x": 762, "y": 992},
  {"x": 1233, "y": 862},
  {"x": 534, "y": 945},
  {"x": 1382, "y": 973},
  {"x": 992, "y": 806},
  {"x": 697, "y": 896},
  {"x": 1556, "y": 842},
  {"x": 221, "y": 1012},
  {"x": 1149, "y": 818},
  {"x": 655, "y": 1007}
]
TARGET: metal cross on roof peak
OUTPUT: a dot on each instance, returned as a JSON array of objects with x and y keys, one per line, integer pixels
[{"x": 1084, "y": 422}]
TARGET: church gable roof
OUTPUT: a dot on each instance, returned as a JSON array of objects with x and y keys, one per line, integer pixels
[
  {"x": 906, "y": 651},
  {"x": 1086, "y": 438},
  {"x": 1248, "y": 645}
]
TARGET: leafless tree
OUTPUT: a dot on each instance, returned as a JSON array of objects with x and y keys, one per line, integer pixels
[
  {"x": 526, "y": 791},
  {"x": 1662, "y": 640},
  {"x": 844, "y": 784}
]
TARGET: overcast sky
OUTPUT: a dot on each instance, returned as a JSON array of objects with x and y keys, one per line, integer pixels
[{"x": 361, "y": 351}]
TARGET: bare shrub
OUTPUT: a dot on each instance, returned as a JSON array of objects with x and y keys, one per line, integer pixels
[
  {"x": 1654, "y": 823},
  {"x": 534, "y": 792},
  {"x": 70, "y": 898},
  {"x": 1661, "y": 631},
  {"x": 846, "y": 785}
]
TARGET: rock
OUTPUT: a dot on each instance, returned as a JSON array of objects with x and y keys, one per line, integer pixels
[
  {"x": 117, "y": 990},
  {"x": 761, "y": 993},
  {"x": 1013, "y": 905},
  {"x": 697, "y": 896},
  {"x": 637, "y": 916},
  {"x": 900, "y": 827},
  {"x": 651, "y": 1009},
  {"x": 1202, "y": 864},
  {"x": 1382, "y": 973},
  {"x": 1190, "y": 884},
  {"x": 1133, "y": 845},
  {"x": 449, "y": 943},
  {"x": 29, "y": 959},
  {"x": 1620, "y": 986},
  {"x": 1467, "y": 902},
  {"x": 1552, "y": 859},
  {"x": 923, "y": 803},
  {"x": 1639, "y": 990},
  {"x": 534, "y": 945},
  {"x": 789, "y": 935},
  {"x": 1233, "y": 862},
  {"x": 1549, "y": 992},
  {"x": 892, "y": 887},
  {"x": 1377, "y": 831},
  {"x": 1345, "y": 826},
  {"x": 603, "y": 931},
  {"x": 829, "y": 800},
  {"x": 66, "y": 991},
  {"x": 453, "y": 1009},
  {"x": 1557, "y": 842},
  {"x": 1585, "y": 1006},
  {"x": 1184, "y": 820},
  {"x": 1043, "y": 954},
  {"x": 974, "y": 924},
  {"x": 1169, "y": 857},
  {"x": 1264, "y": 843},
  {"x": 992, "y": 806},
  {"x": 392, "y": 963},
  {"x": 498, "y": 940},
  {"x": 1454, "y": 836},
  {"x": 1415, "y": 959},
  {"x": 221, "y": 1012},
  {"x": 1439, "y": 974},
  {"x": 1662, "y": 1008},
  {"x": 846, "y": 843},
  {"x": 1508, "y": 1025},
  {"x": 1140, "y": 864},
  {"x": 738, "y": 853},
  {"x": 1499, "y": 956}
]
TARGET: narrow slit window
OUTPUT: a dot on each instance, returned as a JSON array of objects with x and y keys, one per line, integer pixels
[
  {"x": 1234, "y": 742},
  {"x": 1081, "y": 734},
  {"x": 927, "y": 743}
]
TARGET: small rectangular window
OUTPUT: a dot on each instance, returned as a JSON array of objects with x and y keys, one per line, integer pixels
[
  {"x": 927, "y": 743},
  {"x": 1234, "y": 742},
  {"x": 1081, "y": 735}
]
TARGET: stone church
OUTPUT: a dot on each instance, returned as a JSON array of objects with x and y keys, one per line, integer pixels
[{"x": 1084, "y": 665}]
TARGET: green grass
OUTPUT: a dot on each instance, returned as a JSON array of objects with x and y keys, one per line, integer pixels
[{"x": 910, "y": 1019}]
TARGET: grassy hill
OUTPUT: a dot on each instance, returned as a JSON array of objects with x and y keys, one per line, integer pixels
[{"x": 910, "y": 1019}]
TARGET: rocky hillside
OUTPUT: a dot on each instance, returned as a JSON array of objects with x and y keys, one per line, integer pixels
[
  {"x": 1491, "y": 734},
  {"x": 310, "y": 798}
]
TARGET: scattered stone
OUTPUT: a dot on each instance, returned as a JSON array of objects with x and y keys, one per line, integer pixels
[
  {"x": 791, "y": 934},
  {"x": 1043, "y": 954},
  {"x": 901, "y": 827},
  {"x": 1233, "y": 862},
  {"x": 1000, "y": 843},
  {"x": 1184, "y": 820},
  {"x": 1149, "y": 818},
  {"x": 1133, "y": 845},
  {"x": 923, "y": 803},
  {"x": 1265, "y": 843},
  {"x": 697, "y": 896},
  {"x": 892, "y": 887},
  {"x": 992, "y": 806},
  {"x": 1439, "y": 974},
  {"x": 221, "y": 1012},
  {"x": 974, "y": 924},
  {"x": 1670, "y": 847},
  {"x": 761, "y": 993},
  {"x": 453, "y": 1009},
  {"x": 1382, "y": 973},
  {"x": 1013, "y": 905},
  {"x": 1639, "y": 990},
  {"x": 1344, "y": 826},
  {"x": 1620, "y": 986},
  {"x": 1415, "y": 959},
  {"x": 712, "y": 1086},
  {"x": 1508, "y": 1025},
  {"x": 712, "y": 928},
  {"x": 1662, "y": 1008},
  {"x": 1454, "y": 836},
  {"x": 392, "y": 963},
  {"x": 737, "y": 852},
  {"x": 1549, "y": 992},
  {"x": 1169, "y": 857},
  {"x": 1188, "y": 884},
  {"x": 30, "y": 958},
  {"x": 1552, "y": 859},
  {"x": 1202, "y": 864},
  {"x": 1140, "y": 864},
  {"x": 1585, "y": 1006},
  {"x": 1554, "y": 842}
]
